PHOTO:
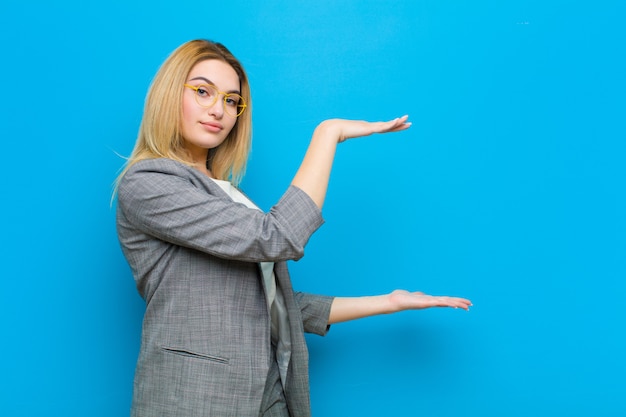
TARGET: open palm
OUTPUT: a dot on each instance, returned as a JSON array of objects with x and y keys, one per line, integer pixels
[{"x": 405, "y": 300}]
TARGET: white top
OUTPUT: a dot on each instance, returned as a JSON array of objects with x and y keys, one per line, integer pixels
[{"x": 281, "y": 337}]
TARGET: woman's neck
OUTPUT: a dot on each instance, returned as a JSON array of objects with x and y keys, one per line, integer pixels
[
  {"x": 202, "y": 168},
  {"x": 198, "y": 158}
]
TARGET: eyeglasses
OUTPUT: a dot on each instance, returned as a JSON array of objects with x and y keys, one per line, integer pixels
[{"x": 206, "y": 95}]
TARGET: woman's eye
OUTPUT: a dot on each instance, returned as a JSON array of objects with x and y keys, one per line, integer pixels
[
  {"x": 202, "y": 92},
  {"x": 230, "y": 101}
]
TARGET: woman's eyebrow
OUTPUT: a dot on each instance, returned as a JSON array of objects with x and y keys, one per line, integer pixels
[
  {"x": 203, "y": 79},
  {"x": 206, "y": 80}
]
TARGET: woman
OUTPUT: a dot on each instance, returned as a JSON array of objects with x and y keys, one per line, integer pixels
[{"x": 223, "y": 332}]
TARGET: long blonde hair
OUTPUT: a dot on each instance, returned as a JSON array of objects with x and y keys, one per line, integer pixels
[{"x": 160, "y": 131}]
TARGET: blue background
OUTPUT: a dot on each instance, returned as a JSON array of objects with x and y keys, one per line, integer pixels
[{"x": 508, "y": 189}]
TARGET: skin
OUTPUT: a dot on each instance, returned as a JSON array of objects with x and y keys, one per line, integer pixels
[
  {"x": 352, "y": 308},
  {"x": 206, "y": 128}
]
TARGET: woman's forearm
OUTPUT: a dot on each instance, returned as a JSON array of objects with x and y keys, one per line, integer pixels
[
  {"x": 314, "y": 172},
  {"x": 352, "y": 308}
]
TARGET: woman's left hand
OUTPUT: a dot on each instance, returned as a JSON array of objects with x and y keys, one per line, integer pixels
[{"x": 404, "y": 300}]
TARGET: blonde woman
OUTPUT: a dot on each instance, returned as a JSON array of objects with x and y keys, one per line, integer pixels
[{"x": 223, "y": 331}]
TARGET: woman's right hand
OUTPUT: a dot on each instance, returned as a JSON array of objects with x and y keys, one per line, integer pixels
[{"x": 344, "y": 129}]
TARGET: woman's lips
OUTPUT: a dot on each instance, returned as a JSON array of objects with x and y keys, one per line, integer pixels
[{"x": 212, "y": 127}]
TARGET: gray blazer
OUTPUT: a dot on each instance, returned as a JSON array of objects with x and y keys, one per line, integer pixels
[{"x": 194, "y": 253}]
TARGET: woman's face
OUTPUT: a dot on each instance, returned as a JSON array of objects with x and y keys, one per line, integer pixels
[{"x": 205, "y": 128}]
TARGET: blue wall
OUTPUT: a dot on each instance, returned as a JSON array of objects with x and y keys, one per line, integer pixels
[{"x": 508, "y": 189}]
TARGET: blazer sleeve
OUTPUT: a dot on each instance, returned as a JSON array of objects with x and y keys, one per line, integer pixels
[
  {"x": 165, "y": 199},
  {"x": 315, "y": 311}
]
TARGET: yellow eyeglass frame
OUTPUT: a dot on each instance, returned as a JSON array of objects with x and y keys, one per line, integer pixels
[{"x": 241, "y": 105}]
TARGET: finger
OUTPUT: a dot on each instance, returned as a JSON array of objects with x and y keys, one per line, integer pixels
[
  {"x": 391, "y": 124},
  {"x": 454, "y": 302},
  {"x": 456, "y": 299},
  {"x": 402, "y": 127},
  {"x": 398, "y": 124},
  {"x": 462, "y": 303},
  {"x": 402, "y": 120},
  {"x": 398, "y": 121}
]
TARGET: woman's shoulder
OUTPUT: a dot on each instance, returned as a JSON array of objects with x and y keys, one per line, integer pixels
[
  {"x": 159, "y": 165},
  {"x": 163, "y": 163},
  {"x": 150, "y": 172}
]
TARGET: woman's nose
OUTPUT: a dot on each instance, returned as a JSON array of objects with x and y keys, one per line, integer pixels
[{"x": 217, "y": 109}]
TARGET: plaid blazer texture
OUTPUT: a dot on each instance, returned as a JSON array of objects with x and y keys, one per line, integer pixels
[{"x": 194, "y": 253}]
